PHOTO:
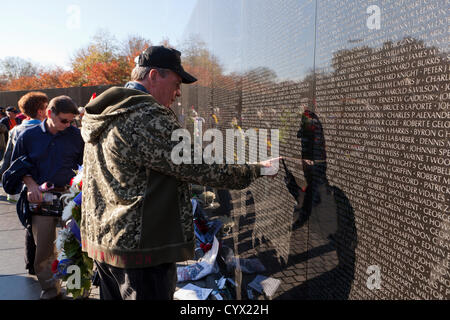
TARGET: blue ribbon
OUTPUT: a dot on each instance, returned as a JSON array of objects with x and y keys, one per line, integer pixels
[{"x": 77, "y": 199}]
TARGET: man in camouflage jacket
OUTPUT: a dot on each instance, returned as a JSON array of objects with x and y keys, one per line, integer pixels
[{"x": 137, "y": 214}]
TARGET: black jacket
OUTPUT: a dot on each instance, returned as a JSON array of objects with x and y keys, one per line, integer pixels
[
  {"x": 12, "y": 184},
  {"x": 12, "y": 178},
  {"x": 5, "y": 121}
]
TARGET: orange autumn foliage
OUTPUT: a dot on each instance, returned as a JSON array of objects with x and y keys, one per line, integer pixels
[
  {"x": 57, "y": 78},
  {"x": 102, "y": 73},
  {"x": 103, "y": 63}
]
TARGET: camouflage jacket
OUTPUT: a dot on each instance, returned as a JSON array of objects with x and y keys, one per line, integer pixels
[{"x": 136, "y": 208}]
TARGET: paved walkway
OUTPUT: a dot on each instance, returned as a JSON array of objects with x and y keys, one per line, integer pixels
[{"x": 15, "y": 283}]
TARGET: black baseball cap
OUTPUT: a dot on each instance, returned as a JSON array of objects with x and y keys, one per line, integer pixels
[
  {"x": 166, "y": 58},
  {"x": 12, "y": 109}
]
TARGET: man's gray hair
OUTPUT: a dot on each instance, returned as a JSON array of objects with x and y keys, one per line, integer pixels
[{"x": 139, "y": 73}]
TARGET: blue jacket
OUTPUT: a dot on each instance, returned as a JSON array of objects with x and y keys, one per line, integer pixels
[
  {"x": 54, "y": 157},
  {"x": 13, "y": 136}
]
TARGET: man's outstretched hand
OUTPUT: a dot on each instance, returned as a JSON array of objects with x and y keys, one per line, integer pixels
[{"x": 270, "y": 167}]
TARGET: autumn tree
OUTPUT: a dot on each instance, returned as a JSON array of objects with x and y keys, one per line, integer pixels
[
  {"x": 101, "y": 48},
  {"x": 133, "y": 46},
  {"x": 103, "y": 61},
  {"x": 106, "y": 61},
  {"x": 199, "y": 61},
  {"x": 166, "y": 43},
  {"x": 89, "y": 62},
  {"x": 3, "y": 82},
  {"x": 15, "y": 67}
]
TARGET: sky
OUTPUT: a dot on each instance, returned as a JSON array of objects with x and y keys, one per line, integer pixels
[
  {"x": 240, "y": 33},
  {"x": 248, "y": 34},
  {"x": 49, "y": 32}
]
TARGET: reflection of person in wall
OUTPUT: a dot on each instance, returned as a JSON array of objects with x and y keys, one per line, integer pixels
[
  {"x": 330, "y": 209},
  {"x": 198, "y": 123},
  {"x": 181, "y": 116},
  {"x": 313, "y": 161},
  {"x": 214, "y": 118}
]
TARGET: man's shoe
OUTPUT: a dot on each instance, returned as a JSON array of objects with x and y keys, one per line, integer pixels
[
  {"x": 51, "y": 294},
  {"x": 58, "y": 297}
]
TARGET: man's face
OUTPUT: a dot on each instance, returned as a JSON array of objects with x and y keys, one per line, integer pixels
[
  {"x": 61, "y": 121},
  {"x": 167, "y": 89},
  {"x": 11, "y": 115}
]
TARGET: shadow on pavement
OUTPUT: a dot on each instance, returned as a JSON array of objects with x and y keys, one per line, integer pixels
[{"x": 19, "y": 287}]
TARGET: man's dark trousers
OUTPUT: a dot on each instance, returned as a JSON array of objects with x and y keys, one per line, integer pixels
[
  {"x": 152, "y": 283},
  {"x": 30, "y": 250}
]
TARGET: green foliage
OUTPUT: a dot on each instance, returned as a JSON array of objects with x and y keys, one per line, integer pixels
[
  {"x": 76, "y": 214},
  {"x": 71, "y": 247}
]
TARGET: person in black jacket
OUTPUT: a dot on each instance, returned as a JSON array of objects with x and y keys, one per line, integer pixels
[{"x": 10, "y": 121}]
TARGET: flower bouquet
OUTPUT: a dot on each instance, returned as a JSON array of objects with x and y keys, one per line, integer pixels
[{"x": 72, "y": 265}]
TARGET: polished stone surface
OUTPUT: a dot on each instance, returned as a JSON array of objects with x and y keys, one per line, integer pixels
[
  {"x": 15, "y": 283},
  {"x": 359, "y": 91}
]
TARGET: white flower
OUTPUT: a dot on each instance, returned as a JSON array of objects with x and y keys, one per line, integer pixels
[
  {"x": 67, "y": 212},
  {"x": 77, "y": 179},
  {"x": 63, "y": 235},
  {"x": 74, "y": 189},
  {"x": 62, "y": 256}
]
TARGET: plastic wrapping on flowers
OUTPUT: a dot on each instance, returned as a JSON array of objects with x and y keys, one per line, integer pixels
[{"x": 68, "y": 244}]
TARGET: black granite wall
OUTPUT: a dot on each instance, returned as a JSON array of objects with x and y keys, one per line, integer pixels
[{"x": 367, "y": 82}]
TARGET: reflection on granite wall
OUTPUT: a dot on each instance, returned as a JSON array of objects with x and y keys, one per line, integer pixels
[{"x": 359, "y": 91}]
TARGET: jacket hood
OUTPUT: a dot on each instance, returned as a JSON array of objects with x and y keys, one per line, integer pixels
[{"x": 114, "y": 103}]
